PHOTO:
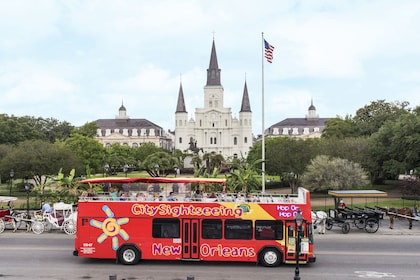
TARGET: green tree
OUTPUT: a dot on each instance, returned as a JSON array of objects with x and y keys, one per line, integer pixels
[
  {"x": 244, "y": 176},
  {"x": 352, "y": 148},
  {"x": 88, "y": 129},
  {"x": 370, "y": 118},
  {"x": 14, "y": 130},
  {"x": 37, "y": 159},
  {"x": 325, "y": 173},
  {"x": 88, "y": 150},
  {"x": 142, "y": 152},
  {"x": 339, "y": 128},
  {"x": 287, "y": 157},
  {"x": 395, "y": 148},
  {"x": 213, "y": 161},
  {"x": 159, "y": 164},
  {"x": 117, "y": 156}
]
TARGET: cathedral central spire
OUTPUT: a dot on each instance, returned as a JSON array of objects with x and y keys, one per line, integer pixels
[{"x": 213, "y": 72}]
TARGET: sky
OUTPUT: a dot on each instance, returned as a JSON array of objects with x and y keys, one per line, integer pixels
[{"x": 78, "y": 61}]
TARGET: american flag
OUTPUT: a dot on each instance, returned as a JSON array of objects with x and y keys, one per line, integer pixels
[{"x": 268, "y": 51}]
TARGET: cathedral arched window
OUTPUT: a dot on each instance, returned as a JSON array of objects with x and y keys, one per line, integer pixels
[
  {"x": 180, "y": 140},
  {"x": 235, "y": 141},
  {"x": 245, "y": 140}
]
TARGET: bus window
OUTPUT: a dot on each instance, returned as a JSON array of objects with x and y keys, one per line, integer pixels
[
  {"x": 268, "y": 230},
  {"x": 238, "y": 229},
  {"x": 211, "y": 229},
  {"x": 165, "y": 228}
]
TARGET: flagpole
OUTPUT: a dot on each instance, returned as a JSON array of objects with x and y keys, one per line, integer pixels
[{"x": 262, "y": 118}]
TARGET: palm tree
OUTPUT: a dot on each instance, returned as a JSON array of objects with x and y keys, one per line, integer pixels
[{"x": 244, "y": 176}]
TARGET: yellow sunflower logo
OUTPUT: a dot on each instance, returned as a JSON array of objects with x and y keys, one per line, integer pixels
[{"x": 111, "y": 227}]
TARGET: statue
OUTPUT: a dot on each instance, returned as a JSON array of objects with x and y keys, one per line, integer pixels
[{"x": 193, "y": 146}]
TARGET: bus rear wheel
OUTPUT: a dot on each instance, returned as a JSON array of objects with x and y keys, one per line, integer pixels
[
  {"x": 270, "y": 257},
  {"x": 129, "y": 255}
]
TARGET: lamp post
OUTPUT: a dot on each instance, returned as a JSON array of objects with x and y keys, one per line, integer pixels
[
  {"x": 157, "y": 169},
  {"x": 12, "y": 174},
  {"x": 291, "y": 181},
  {"x": 125, "y": 169},
  {"x": 27, "y": 188},
  {"x": 299, "y": 221},
  {"x": 106, "y": 168},
  {"x": 176, "y": 170}
]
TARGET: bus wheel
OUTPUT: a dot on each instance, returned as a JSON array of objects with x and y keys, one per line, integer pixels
[
  {"x": 270, "y": 257},
  {"x": 128, "y": 255}
]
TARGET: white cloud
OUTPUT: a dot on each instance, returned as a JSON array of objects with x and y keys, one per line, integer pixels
[{"x": 88, "y": 56}]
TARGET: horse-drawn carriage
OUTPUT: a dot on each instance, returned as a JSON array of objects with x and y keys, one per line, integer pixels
[
  {"x": 366, "y": 218},
  {"x": 9, "y": 218},
  {"x": 362, "y": 218},
  {"x": 62, "y": 217}
]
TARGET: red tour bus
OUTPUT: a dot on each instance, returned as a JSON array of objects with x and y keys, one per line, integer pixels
[{"x": 145, "y": 224}]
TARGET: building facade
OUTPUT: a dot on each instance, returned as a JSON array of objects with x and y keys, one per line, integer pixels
[
  {"x": 131, "y": 132},
  {"x": 309, "y": 127},
  {"x": 213, "y": 129}
]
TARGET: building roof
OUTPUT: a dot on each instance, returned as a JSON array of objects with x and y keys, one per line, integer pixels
[
  {"x": 301, "y": 122},
  {"x": 126, "y": 123}
]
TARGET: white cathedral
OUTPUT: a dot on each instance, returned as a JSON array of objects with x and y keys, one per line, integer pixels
[{"x": 214, "y": 130}]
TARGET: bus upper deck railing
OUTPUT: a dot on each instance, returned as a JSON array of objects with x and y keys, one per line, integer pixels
[{"x": 186, "y": 197}]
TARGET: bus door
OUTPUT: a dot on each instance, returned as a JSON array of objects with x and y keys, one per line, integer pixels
[
  {"x": 190, "y": 239},
  {"x": 291, "y": 239}
]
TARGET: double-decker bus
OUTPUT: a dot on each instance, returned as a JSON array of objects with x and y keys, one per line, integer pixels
[{"x": 158, "y": 219}]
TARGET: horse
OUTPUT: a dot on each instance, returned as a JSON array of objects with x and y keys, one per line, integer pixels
[
  {"x": 405, "y": 212},
  {"x": 319, "y": 219}
]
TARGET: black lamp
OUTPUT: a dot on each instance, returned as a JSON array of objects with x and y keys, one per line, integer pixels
[{"x": 299, "y": 221}]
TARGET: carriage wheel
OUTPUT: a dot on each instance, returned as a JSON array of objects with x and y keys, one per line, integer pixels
[
  {"x": 69, "y": 227},
  {"x": 329, "y": 224},
  {"x": 345, "y": 228},
  {"x": 38, "y": 227},
  {"x": 360, "y": 223},
  {"x": 2, "y": 225},
  {"x": 372, "y": 225}
]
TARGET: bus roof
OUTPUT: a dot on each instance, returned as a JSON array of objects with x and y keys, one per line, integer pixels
[
  {"x": 151, "y": 180},
  {"x": 357, "y": 193}
]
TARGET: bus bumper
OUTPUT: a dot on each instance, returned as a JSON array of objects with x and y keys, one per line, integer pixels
[{"x": 75, "y": 253}]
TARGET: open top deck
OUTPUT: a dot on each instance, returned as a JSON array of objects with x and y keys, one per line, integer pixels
[{"x": 184, "y": 189}]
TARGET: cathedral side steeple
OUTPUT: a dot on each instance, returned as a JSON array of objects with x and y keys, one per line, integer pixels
[
  {"x": 246, "y": 106},
  {"x": 213, "y": 72},
  {"x": 180, "y": 106}
]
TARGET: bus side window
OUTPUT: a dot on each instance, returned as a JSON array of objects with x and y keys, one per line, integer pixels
[
  {"x": 268, "y": 230},
  {"x": 211, "y": 229},
  {"x": 165, "y": 228},
  {"x": 238, "y": 229}
]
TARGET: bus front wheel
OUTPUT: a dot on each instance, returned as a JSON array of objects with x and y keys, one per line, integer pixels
[
  {"x": 270, "y": 257},
  {"x": 129, "y": 255}
]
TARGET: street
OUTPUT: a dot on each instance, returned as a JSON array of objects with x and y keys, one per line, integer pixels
[{"x": 357, "y": 255}]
